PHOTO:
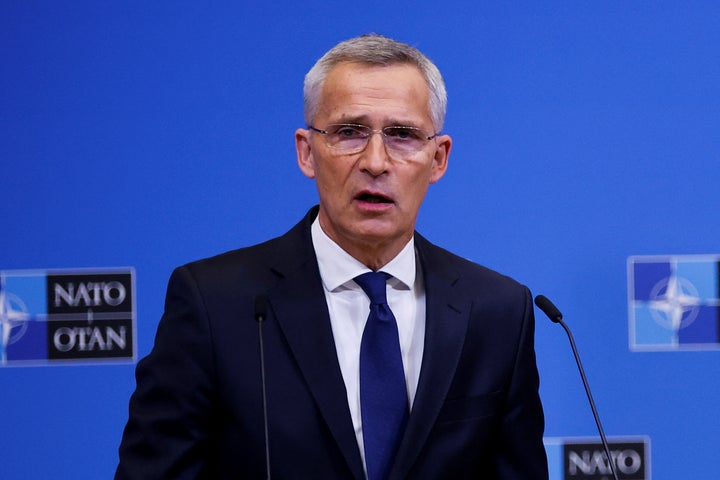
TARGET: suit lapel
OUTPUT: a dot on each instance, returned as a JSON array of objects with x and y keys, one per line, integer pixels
[
  {"x": 446, "y": 324},
  {"x": 298, "y": 301}
]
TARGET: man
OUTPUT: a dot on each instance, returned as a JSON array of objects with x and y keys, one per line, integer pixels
[{"x": 457, "y": 338}]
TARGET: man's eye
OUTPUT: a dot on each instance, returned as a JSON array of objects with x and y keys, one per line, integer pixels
[
  {"x": 402, "y": 133},
  {"x": 347, "y": 131}
]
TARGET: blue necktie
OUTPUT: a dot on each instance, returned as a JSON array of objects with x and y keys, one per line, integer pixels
[{"x": 383, "y": 394}]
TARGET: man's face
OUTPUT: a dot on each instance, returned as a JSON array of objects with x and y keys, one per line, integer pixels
[{"x": 369, "y": 201}]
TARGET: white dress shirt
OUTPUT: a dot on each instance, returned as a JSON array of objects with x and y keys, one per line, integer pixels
[{"x": 349, "y": 308}]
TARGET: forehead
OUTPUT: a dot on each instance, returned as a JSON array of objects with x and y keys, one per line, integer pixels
[{"x": 353, "y": 91}]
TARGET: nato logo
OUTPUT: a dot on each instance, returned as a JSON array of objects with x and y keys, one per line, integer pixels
[
  {"x": 585, "y": 459},
  {"x": 60, "y": 317},
  {"x": 674, "y": 302}
]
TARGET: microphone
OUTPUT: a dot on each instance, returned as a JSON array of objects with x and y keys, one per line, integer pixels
[
  {"x": 549, "y": 309},
  {"x": 261, "y": 302}
]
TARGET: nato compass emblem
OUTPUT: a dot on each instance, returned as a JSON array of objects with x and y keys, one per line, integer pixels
[
  {"x": 674, "y": 302},
  {"x": 14, "y": 319}
]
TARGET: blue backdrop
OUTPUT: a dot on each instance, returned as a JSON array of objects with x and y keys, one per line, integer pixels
[{"x": 151, "y": 134}]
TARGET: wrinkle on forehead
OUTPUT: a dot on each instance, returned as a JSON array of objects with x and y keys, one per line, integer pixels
[{"x": 379, "y": 96}]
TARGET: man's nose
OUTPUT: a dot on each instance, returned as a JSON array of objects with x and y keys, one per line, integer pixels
[{"x": 375, "y": 158}]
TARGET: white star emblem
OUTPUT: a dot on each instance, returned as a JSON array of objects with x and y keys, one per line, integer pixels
[
  {"x": 674, "y": 303},
  {"x": 13, "y": 316}
]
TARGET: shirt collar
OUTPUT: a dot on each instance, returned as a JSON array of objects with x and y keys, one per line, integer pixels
[{"x": 337, "y": 267}]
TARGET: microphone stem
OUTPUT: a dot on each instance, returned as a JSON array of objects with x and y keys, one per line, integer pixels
[
  {"x": 590, "y": 398},
  {"x": 264, "y": 398}
]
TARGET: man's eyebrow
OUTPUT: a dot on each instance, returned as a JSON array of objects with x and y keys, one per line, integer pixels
[
  {"x": 365, "y": 120},
  {"x": 353, "y": 120}
]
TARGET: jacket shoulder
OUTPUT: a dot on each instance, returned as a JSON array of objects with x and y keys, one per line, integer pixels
[
  {"x": 256, "y": 264},
  {"x": 453, "y": 266}
]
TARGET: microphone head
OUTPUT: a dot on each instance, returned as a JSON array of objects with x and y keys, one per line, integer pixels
[
  {"x": 548, "y": 308},
  {"x": 261, "y": 302}
]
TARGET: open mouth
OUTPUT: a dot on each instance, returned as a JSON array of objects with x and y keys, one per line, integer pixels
[{"x": 372, "y": 198}]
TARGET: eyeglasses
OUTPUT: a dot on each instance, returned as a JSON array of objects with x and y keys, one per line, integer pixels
[{"x": 347, "y": 138}]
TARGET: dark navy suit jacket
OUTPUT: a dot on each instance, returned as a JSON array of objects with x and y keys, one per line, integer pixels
[{"x": 197, "y": 411}]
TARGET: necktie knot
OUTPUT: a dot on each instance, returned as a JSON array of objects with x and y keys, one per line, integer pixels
[{"x": 373, "y": 284}]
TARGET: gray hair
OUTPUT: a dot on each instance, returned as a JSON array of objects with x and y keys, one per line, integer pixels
[{"x": 374, "y": 49}]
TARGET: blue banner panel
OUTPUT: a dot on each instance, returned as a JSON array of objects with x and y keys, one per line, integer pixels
[
  {"x": 52, "y": 317},
  {"x": 585, "y": 458},
  {"x": 674, "y": 302}
]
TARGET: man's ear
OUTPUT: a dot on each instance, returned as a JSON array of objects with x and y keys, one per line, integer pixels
[
  {"x": 304, "y": 152},
  {"x": 440, "y": 160}
]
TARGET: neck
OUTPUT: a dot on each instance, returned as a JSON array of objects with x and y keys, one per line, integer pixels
[
  {"x": 373, "y": 258},
  {"x": 372, "y": 252}
]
